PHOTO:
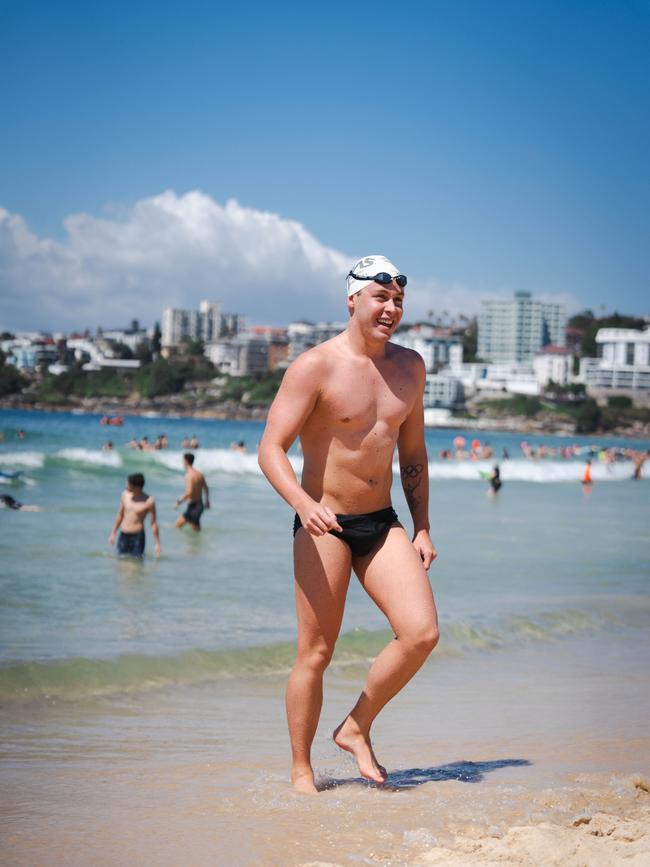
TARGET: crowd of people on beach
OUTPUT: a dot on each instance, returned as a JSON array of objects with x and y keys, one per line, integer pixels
[
  {"x": 478, "y": 451},
  {"x": 161, "y": 442}
]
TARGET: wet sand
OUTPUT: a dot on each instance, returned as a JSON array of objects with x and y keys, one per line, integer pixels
[{"x": 537, "y": 754}]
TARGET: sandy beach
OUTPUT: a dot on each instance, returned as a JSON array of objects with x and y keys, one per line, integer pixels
[
  {"x": 514, "y": 761},
  {"x": 142, "y": 705}
]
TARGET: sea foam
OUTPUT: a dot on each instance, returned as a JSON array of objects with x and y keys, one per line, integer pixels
[
  {"x": 90, "y": 456},
  {"x": 22, "y": 459},
  {"x": 514, "y": 470}
]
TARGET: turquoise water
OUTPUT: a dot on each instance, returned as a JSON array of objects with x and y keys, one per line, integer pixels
[{"x": 543, "y": 560}]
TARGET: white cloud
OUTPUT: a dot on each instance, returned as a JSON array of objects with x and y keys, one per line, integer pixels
[{"x": 171, "y": 250}]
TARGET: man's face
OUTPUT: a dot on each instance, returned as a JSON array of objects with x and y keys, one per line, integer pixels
[{"x": 378, "y": 309}]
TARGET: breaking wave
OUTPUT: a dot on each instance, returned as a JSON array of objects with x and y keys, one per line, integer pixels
[
  {"x": 35, "y": 460},
  {"x": 77, "y": 678},
  {"x": 231, "y": 462},
  {"x": 90, "y": 456}
]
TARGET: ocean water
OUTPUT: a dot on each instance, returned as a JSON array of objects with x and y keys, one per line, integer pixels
[
  {"x": 543, "y": 560},
  {"x": 141, "y": 703}
]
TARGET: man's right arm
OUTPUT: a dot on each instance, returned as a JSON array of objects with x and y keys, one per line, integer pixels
[
  {"x": 187, "y": 495},
  {"x": 293, "y": 404}
]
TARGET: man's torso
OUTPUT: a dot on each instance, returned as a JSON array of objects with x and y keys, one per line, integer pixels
[
  {"x": 135, "y": 511},
  {"x": 194, "y": 480},
  {"x": 349, "y": 439}
]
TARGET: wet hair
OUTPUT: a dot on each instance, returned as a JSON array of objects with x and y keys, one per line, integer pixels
[
  {"x": 136, "y": 479},
  {"x": 189, "y": 457}
]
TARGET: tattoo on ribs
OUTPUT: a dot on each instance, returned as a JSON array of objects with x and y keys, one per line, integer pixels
[{"x": 411, "y": 481}]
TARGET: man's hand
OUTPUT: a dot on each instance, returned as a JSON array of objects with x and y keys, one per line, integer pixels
[
  {"x": 425, "y": 548},
  {"x": 157, "y": 549},
  {"x": 111, "y": 539},
  {"x": 318, "y": 519}
]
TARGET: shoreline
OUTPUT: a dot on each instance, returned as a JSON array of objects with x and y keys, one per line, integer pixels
[
  {"x": 231, "y": 411},
  {"x": 165, "y": 778}
]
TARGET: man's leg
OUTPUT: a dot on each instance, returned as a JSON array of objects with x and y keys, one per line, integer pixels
[
  {"x": 397, "y": 582},
  {"x": 322, "y": 570}
]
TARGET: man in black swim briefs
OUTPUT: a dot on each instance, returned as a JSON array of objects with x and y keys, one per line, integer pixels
[{"x": 352, "y": 400}]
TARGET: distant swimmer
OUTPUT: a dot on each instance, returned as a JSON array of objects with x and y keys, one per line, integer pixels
[
  {"x": 586, "y": 477},
  {"x": 197, "y": 495},
  {"x": 495, "y": 481},
  {"x": 639, "y": 459},
  {"x": 194, "y": 443},
  {"x": 107, "y": 447},
  {"x": 9, "y": 502},
  {"x": 135, "y": 505},
  {"x": 238, "y": 446},
  {"x": 353, "y": 400},
  {"x": 185, "y": 443}
]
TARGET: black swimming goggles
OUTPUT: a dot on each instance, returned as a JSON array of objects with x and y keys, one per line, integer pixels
[{"x": 382, "y": 278}]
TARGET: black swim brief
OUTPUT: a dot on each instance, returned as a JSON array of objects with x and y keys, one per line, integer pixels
[
  {"x": 360, "y": 532},
  {"x": 131, "y": 544},
  {"x": 193, "y": 513}
]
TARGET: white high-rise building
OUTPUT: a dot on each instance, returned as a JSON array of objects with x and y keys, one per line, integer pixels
[
  {"x": 210, "y": 313},
  {"x": 207, "y": 323},
  {"x": 179, "y": 325},
  {"x": 514, "y": 331},
  {"x": 438, "y": 347}
]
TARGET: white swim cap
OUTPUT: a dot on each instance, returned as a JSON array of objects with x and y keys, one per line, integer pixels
[{"x": 368, "y": 267}]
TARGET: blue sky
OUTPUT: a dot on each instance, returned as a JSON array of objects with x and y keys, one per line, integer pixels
[{"x": 485, "y": 147}]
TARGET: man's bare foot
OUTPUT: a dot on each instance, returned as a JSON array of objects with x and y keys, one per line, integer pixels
[
  {"x": 349, "y": 737},
  {"x": 303, "y": 782}
]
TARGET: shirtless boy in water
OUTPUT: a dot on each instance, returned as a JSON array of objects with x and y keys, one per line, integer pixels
[
  {"x": 351, "y": 400},
  {"x": 135, "y": 505},
  {"x": 195, "y": 487}
]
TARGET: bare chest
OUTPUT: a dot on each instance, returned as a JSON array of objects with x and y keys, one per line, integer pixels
[
  {"x": 358, "y": 401},
  {"x": 137, "y": 508}
]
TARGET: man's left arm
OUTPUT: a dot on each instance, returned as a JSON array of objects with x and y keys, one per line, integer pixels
[{"x": 414, "y": 470}]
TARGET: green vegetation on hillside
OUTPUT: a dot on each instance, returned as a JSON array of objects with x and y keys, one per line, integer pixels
[
  {"x": 259, "y": 390},
  {"x": 155, "y": 379},
  {"x": 11, "y": 380},
  {"x": 590, "y": 324},
  {"x": 587, "y": 416}
]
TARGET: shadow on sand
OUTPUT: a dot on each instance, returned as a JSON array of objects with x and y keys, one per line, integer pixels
[{"x": 409, "y": 778}]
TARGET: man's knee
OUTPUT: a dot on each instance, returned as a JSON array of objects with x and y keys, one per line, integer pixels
[
  {"x": 316, "y": 656},
  {"x": 423, "y": 638}
]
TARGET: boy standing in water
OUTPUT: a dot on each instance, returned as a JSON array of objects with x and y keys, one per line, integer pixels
[
  {"x": 351, "y": 400},
  {"x": 196, "y": 494},
  {"x": 135, "y": 505}
]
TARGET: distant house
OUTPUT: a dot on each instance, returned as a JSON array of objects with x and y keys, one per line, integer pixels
[
  {"x": 553, "y": 364},
  {"x": 623, "y": 364}
]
